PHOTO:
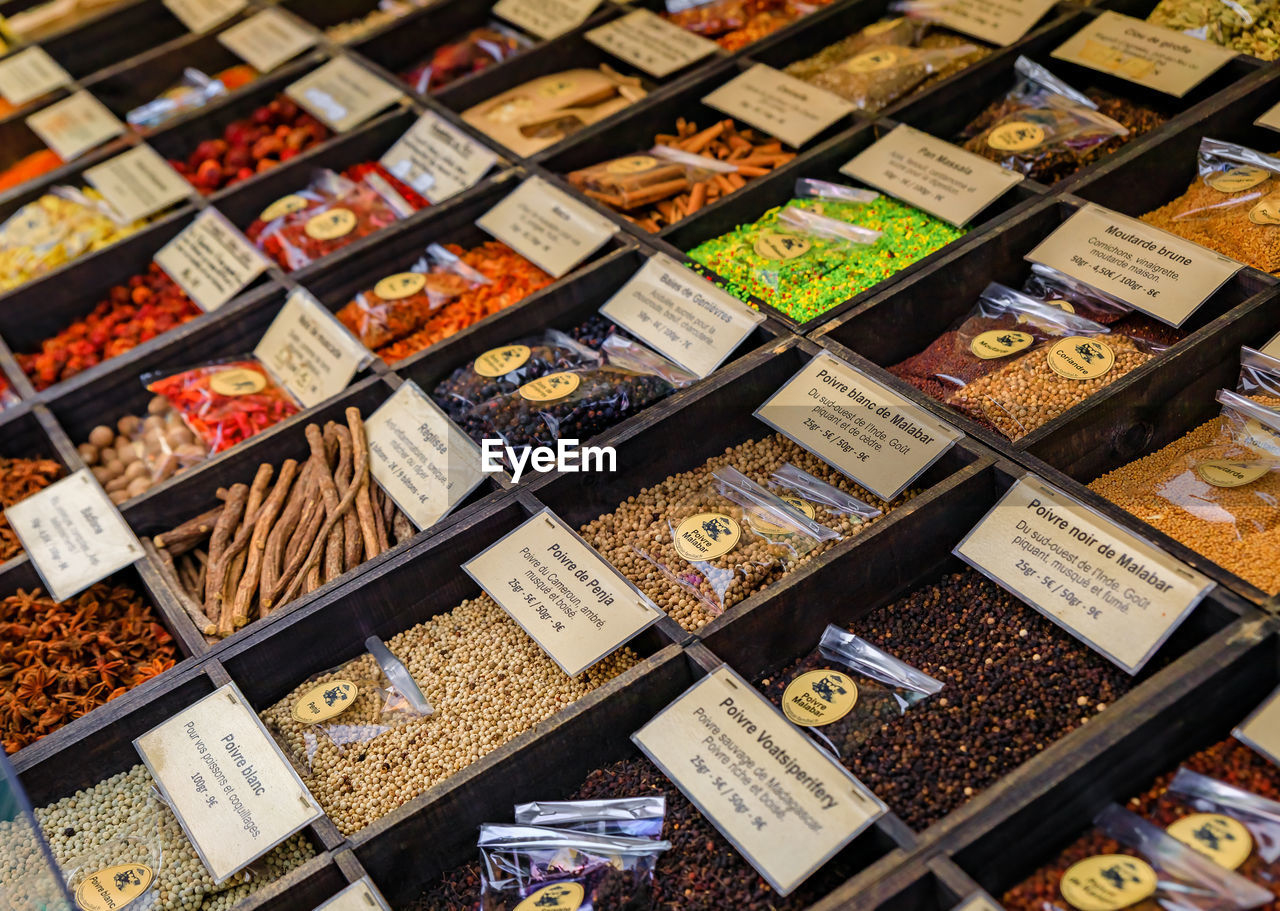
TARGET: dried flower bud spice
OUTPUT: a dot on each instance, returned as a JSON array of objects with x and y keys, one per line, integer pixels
[
  {"x": 134, "y": 312},
  {"x": 61, "y": 661},
  {"x": 272, "y": 134},
  {"x": 1013, "y": 684},
  {"x": 19, "y": 479},
  {"x": 733, "y": 24}
]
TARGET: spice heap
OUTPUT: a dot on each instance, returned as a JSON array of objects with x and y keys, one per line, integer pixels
[
  {"x": 62, "y": 225},
  {"x": 733, "y": 24},
  {"x": 1247, "y": 26},
  {"x": 478, "y": 50},
  {"x": 808, "y": 277},
  {"x": 399, "y": 325},
  {"x": 642, "y": 522},
  {"x": 29, "y": 167},
  {"x": 488, "y": 683},
  {"x": 274, "y": 133},
  {"x": 19, "y": 479},
  {"x": 226, "y": 402},
  {"x": 1013, "y": 684},
  {"x": 385, "y": 12},
  {"x": 61, "y": 661},
  {"x": 268, "y": 545},
  {"x": 140, "y": 452},
  {"x": 888, "y": 60},
  {"x": 134, "y": 312},
  {"x": 700, "y": 872},
  {"x": 660, "y": 188},
  {"x": 1228, "y": 760}
]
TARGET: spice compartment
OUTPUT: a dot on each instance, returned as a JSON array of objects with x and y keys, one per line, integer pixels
[
  {"x": 102, "y": 41},
  {"x": 935, "y": 884}
]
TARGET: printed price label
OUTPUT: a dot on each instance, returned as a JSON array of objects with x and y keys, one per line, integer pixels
[
  {"x": 201, "y": 15},
  {"x": 343, "y": 94},
  {"x": 757, "y": 778},
  {"x": 437, "y": 159},
  {"x": 783, "y": 106},
  {"x": 75, "y": 125},
  {"x": 138, "y": 183},
  {"x": 1150, "y": 55},
  {"x": 575, "y": 605},
  {"x": 996, "y": 21},
  {"x": 861, "y": 428},
  {"x": 211, "y": 260},
  {"x": 310, "y": 351},
  {"x": 547, "y": 227},
  {"x": 688, "y": 319},
  {"x": 545, "y": 18},
  {"x": 73, "y": 534},
  {"x": 646, "y": 40},
  {"x": 361, "y": 895},
  {"x": 1261, "y": 730},
  {"x": 232, "y": 790},
  {"x": 1150, "y": 270},
  {"x": 1106, "y": 586},
  {"x": 1271, "y": 119},
  {"x": 421, "y": 459},
  {"x": 268, "y": 39},
  {"x": 932, "y": 175},
  {"x": 1272, "y": 347},
  {"x": 27, "y": 75}
]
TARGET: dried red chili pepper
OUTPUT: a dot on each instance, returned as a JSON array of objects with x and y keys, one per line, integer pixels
[
  {"x": 227, "y": 402},
  {"x": 19, "y": 479}
]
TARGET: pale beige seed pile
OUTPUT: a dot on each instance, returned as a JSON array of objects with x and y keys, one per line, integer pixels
[
  {"x": 644, "y": 523},
  {"x": 487, "y": 682}
]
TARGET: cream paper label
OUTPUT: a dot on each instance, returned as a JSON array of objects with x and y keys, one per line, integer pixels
[
  {"x": 437, "y": 159},
  {"x": 343, "y": 94},
  {"x": 361, "y": 895},
  {"x": 201, "y": 15},
  {"x": 310, "y": 351},
  {"x": 1261, "y": 730},
  {"x": 646, "y": 40},
  {"x": 995, "y": 21},
  {"x": 783, "y": 106},
  {"x": 547, "y": 227},
  {"x": 545, "y": 18},
  {"x": 138, "y": 183},
  {"x": 29, "y": 74},
  {"x": 211, "y": 260},
  {"x": 268, "y": 39},
  {"x": 75, "y": 125}
]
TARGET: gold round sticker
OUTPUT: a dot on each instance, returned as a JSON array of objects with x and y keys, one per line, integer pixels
[
  {"x": 1078, "y": 357},
  {"x": 772, "y": 245},
  {"x": 996, "y": 343},
  {"x": 1260, "y": 435},
  {"x": 632, "y": 164},
  {"x": 1267, "y": 211},
  {"x": 1228, "y": 473},
  {"x": 1061, "y": 305},
  {"x": 816, "y": 698},
  {"x": 706, "y": 536},
  {"x": 399, "y": 286},
  {"x": 555, "y": 897},
  {"x": 770, "y": 529},
  {"x": 1238, "y": 178},
  {"x": 549, "y": 388},
  {"x": 879, "y": 28},
  {"x": 285, "y": 205},
  {"x": 237, "y": 381},
  {"x": 111, "y": 888},
  {"x": 331, "y": 225},
  {"x": 875, "y": 59},
  {"x": 501, "y": 361},
  {"x": 1016, "y": 136},
  {"x": 324, "y": 701},
  {"x": 1223, "y": 840},
  {"x": 1108, "y": 882}
]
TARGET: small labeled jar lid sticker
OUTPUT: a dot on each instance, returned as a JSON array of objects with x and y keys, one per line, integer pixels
[
  {"x": 1108, "y": 882},
  {"x": 285, "y": 205},
  {"x": 1220, "y": 838},
  {"x": 551, "y": 387},
  {"x": 399, "y": 286},
  {"x": 772, "y": 245},
  {"x": 1232, "y": 473},
  {"x": 556, "y": 897},
  {"x": 501, "y": 361},
  {"x": 706, "y": 536},
  {"x": 331, "y": 225},
  {"x": 324, "y": 701},
  {"x": 816, "y": 698},
  {"x": 1237, "y": 179},
  {"x": 1079, "y": 357},
  {"x": 1016, "y": 136},
  {"x": 996, "y": 343},
  {"x": 237, "y": 381},
  {"x": 111, "y": 888}
]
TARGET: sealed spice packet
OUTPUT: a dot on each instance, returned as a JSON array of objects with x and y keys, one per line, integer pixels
[
  {"x": 636, "y": 817},
  {"x": 347, "y": 706},
  {"x": 225, "y": 402},
  {"x": 124, "y": 872},
  {"x": 1232, "y": 207},
  {"x": 1259, "y": 377},
  {"x": 816, "y": 499},
  {"x": 800, "y": 230},
  {"x": 874, "y": 78},
  {"x": 1234, "y": 828},
  {"x": 1152, "y": 870},
  {"x": 194, "y": 90},
  {"x": 846, "y": 690},
  {"x": 479, "y": 49},
  {"x": 726, "y": 540},
  {"x": 1053, "y": 287},
  {"x": 541, "y": 867}
]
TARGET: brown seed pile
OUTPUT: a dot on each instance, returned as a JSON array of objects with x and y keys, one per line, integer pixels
[
  {"x": 487, "y": 681},
  {"x": 1236, "y": 527},
  {"x": 643, "y": 522},
  {"x": 1027, "y": 393},
  {"x": 140, "y": 452},
  {"x": 1013, "y": 684}
]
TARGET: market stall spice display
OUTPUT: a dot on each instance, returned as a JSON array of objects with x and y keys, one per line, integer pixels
[
  {"x": 487, "y": 681},
  {"x": 733, "y": 24},
  {"x": 62, "y": 660},
  {"x": 19, "y": 479},
  {"x": 271, "y": 543},
  {"x": 1013, "y": 683}
]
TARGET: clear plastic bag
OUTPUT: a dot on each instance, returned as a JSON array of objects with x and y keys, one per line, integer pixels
[
  {"x": 1238, "y": 830},
  {"x": 874, "y": 78},
  {"x": 635, "y": 181},
  {"x": 846, "y": 689},
  {"x": 1053, "y": 287},
  {"x": 348, "y": 706},
  {"x": 812, "y": 188},
  {"x": 537, "y": 866},
  {"x": 635, "y": 817},
  {"x": 816, "y": 499},
  {"x": 194, "y": 90},
  {"x": 125, "y": 872},
  {"x": 1259, "y": 377},
  {"x": 479, "y": 49},
  {"x": 731, "y": 538},
  {"x": 797, "y": 233},
  {"x": 1156, "y": 871}
]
